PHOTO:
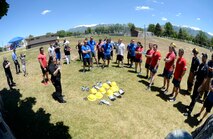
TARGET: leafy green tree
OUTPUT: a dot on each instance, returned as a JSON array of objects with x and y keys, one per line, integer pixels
[
  {"x": 201, "y": 39},
  {"x": 131, "y": 26},
  {"x": 182, "y": 34},
  {"x": 4, "y": 6},
  {"x": 151, "y": 28},
  {"x": 30, "y": 36},
  {"x": 49, "y": 33},
  {"x": 61, "y": 33},
  {"x": 158, "y": 30},
  {"x": 211, "y": 42},
  {"x": 168, "y": 30}
]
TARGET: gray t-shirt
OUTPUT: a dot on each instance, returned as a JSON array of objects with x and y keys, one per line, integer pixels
[{"x": 120, "y": 49}]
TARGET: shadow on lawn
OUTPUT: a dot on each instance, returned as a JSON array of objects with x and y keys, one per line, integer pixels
[
  {"x": 191, "y": 120},
  {"x": 27, "y": 124}
]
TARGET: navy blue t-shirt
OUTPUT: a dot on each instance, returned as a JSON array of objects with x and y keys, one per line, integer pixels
[
  {"x": 210, "y": 64},
  {"x": 131, "y": 48},
  {"x": 107, "y": 48}
]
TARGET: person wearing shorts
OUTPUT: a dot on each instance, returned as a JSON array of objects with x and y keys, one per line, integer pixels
[
  {"x": 100, "y": 51},
  {"x": 86, "y": 55},
  {"x": 148, "y": 59},
  {"x": 156, "y": 57},
  {"x": 131, "y": 50},
  {"x": 138, "y": 57},
  {"x": 91, "y": 43},
  {"x": 178, "y": 74},
  {"x": 57, "y": 51},
  {"x": 106, "y": 48},
  {"x": 120, "y": 52},
  {"x": 43, "y": 64},
  {"x": 168, "y": 69},
  {"x": 208, "y": 103}
]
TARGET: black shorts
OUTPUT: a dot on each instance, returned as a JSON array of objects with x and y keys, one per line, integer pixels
[
  {"x": 176, "y": 83},
  {"x": 208, "y": 105},
  {"x": 147, "y": 66},
  {"x": 44, "y": 71},
  {"x": 128, "y": 55},
  {"x": 100, "y": 55},
  {"x": 111, "y": 53},
  {"x": 86, "y": 61},
  {"x": 107, "y": 57},
  {"x": 153, "y": 70},
  {"x": 138, "y": 60},
  {"x": 132, "y": 58},
  {"x": 120, "y": 57},
  {"x": 167, "y": 74},
  {"x": 92, "y": 54}
]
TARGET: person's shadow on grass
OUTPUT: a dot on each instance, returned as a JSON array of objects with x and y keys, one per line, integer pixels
[{"x": 26, "y": 123}]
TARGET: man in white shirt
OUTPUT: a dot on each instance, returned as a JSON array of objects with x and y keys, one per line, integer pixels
[
  {"x": 120, "y": 48},
  {"x": 51, "y": 51}
]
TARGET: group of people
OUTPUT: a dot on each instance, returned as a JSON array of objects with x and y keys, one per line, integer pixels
[{"x": 175, "y": 65}]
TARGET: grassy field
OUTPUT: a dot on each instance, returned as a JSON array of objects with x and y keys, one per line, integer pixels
[{"x": 138, "y": 114}]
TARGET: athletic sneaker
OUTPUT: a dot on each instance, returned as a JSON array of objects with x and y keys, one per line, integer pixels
[
  {"x": 139, "y": 73},
  {"x": 172, "y": 99},
  {"x": 166, "y": 92},
  {"x": 163, "y": 89},
  {"x": 148, "y": 88}
]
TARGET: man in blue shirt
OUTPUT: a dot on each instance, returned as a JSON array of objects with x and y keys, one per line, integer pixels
[
  {"x": 107, "y": 48},
  {"x": 86, "y": 55},
  {"x": 131, "y": 50},
  {"x": 91, "y": 43},
  {"x": 15, "y": 59}
]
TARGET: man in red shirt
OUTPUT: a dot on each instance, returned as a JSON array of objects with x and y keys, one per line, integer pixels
[
  {"x": 168, "y": 69},
  {"x": 43, "y": 64},
  {"x": 148, "y": 59},
  {"x": 156, "y": 57},
  {"x": 179, "y": 73}
]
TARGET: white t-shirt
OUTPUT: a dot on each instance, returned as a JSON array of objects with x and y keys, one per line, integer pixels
[
  {"x": 51, "y": 51},
  {"x": 120, "y": 49}
]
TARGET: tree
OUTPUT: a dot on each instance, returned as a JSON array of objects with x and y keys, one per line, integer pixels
[
  {"x": 131, "y": 26},
  {"x": 158, "y": 30},
  {"x": 151, "y": 28},
  {"x": 201, "y": 39},
  {"x": 4, "y": 6},
  {"x": 61, "y": 33},
  {"x": 88, "y": 31},
  {"x": 49, "y": 33},
  {"x": 30, "y": 36},
  {"x": 180, "y": 34},
  {"x": 168, "y": 30},
  {"x": 211, "y": 42}
]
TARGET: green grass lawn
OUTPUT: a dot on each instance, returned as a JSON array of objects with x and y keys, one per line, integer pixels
[{"x": 138, "y": 114}]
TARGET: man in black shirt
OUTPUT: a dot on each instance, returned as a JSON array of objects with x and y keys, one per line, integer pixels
[
  {"x": 201, "y": 76},
  {"x": 54, "y": 70},
  {"x": 194, "y": 67},
  {"x": 6, "y": 66}
]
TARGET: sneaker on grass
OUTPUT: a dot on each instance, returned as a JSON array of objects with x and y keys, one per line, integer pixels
[
  {"x": 172, "y": 99},
  {"x": 163, "y": 89},
  {"x": 166, "y": 92}
]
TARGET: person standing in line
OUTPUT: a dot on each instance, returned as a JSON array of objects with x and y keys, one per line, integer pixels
[
  {"x": 194, "y": 67},
  {"x": 56, "y": 78},
  {"x": 67, "y": 51},
  {"x": 131, "y": 49},
  {"x": 78, "y": 46},
  {"x": 156, "y": 57},
  {"x": 201, "y": 75},
  {"x": 107, "y": 48},
  {"x": 51, "y": 51},
  {"x": 57, "y": 51},
  {"x": 120, "y": 52},
  {"x": 91, "y": 43},
  {"x": 6, "y": 66},
  {"x": 15, "y": 60},
  {"x": 138, "y": 57},
  {"x": 168, "y": 69},
  {"x": 100, "y": 51},
  {"x": 180, "y": 70},
  {"x": 86, "y": 55},
  {"x": 23, "y": 62},
  {"x": 42, "y": 59},
  {"x": 148, "y": 59}
]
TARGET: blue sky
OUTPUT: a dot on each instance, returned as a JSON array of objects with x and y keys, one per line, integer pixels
[{"x": 37, "y": 17}]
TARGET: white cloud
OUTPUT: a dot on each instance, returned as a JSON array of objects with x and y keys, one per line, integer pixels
[
  {"x": 138, "y": 8},
  {"x": 210, "y": 33},
  {"x": 89, "y": 25},
  {"x": 45, "y": 12},
  {"x": 179, "y": 14},
  {"x": 195, "y": 28},
  {"x": 158, "y": 2},
  {"x": 198, "y": 19},
  {"x": 164, "y": 19}
]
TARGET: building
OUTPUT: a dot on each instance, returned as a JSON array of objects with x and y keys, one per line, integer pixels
[{"x": 41, "y": 40}]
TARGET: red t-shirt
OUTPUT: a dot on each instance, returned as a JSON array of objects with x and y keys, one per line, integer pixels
[
  {"x": 43, "y": 59},
  {"x": 148, "y": 59},
  {"x": 169, "y": 65},
  {"x": 138, "y": 56},
  {"x": 155, "y": 57},
  {"x": 180, "y": 67}
]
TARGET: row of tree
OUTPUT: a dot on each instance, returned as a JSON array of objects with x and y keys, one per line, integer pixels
[{"x": 167, "y": 31}]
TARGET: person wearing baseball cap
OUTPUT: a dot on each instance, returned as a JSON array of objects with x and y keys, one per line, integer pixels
[
  {"x": 194, "y": 67},
  {"x": 201, "y": 75}
]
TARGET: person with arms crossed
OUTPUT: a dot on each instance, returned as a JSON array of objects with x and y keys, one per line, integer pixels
[
  {"x": 138, "y": 57},
  {"x": 106, "y": 48},
  {"x": 131, "y": 50},
  {"x": 91, "y": 43},
  {"x": 42, "y": 59},
  {"x": 86, "y": 55},
  {"x": 120, "y": 48},
  {"x": 148, "y": 59}
]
